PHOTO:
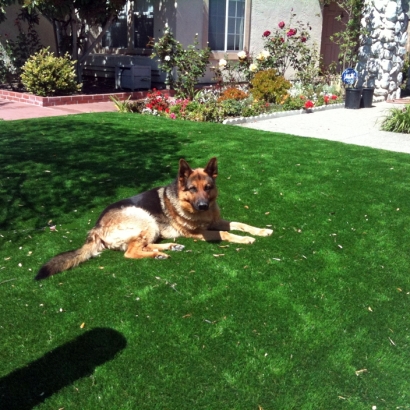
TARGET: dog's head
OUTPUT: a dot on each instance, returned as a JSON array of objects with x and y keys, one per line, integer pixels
[{"x": 197, "y": 189}]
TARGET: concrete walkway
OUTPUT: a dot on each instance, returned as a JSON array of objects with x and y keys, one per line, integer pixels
[{"x": 359, "y": 127}]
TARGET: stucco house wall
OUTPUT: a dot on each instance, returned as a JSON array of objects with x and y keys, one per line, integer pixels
[
  {"x": 266, "y": 14},
  {"x": 187, "y": 18},
  {"x": 44, "y": 29}
]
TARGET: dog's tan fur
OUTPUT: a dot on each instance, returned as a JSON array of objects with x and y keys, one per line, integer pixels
[{"x": 187, "y": 207}]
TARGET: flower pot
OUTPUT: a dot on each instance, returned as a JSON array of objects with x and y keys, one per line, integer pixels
[
  {"x": 353, "y": 98},
  {"x": 367, "y": 97}
]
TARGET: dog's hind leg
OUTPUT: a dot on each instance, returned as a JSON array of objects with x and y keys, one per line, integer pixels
[
  {"x": 138, "y": 250},
  {"x": 164, "y": 247}
]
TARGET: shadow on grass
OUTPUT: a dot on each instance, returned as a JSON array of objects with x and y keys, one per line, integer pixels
[
  {"x": 51, "y": 167},
  {"x": 27, "y": 387}
]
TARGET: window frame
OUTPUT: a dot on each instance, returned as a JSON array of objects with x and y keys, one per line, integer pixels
[
  {"x": 130, "y": 49},
  {"x": 231, "y": 54}
]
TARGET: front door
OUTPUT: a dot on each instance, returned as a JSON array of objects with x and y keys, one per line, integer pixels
[{"x": 329, "y": 50}]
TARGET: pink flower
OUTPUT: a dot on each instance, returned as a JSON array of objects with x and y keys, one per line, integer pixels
[
  {"x": 266, "y": 33},
  {"x": 281, "y": 24},
  {"x": 172, "y": 116},
  {"x": 309, "y": 104},
  {"x": 303, "y": 39},
  {"x": 291, "y": 32}
]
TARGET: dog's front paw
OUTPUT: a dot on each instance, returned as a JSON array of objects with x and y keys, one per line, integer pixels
[
  {"x": 247, "y": 239},
  {"x": 265, "y": 232},
  {"x": 177, "y": 247}
]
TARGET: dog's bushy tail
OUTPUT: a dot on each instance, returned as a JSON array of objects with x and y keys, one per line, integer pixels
[{"x": 70, "y": 259}]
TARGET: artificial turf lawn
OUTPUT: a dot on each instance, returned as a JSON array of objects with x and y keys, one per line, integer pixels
[{"x": 314, "y": 317}]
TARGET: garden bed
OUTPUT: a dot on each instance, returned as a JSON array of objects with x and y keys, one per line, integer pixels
[{"x": 278, "y": 114}]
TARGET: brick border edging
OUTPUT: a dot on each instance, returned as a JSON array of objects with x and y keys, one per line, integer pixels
[{"x": 71, "y": 99}]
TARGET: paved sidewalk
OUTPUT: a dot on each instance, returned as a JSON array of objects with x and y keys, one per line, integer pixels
[
  {"x": 359, "y": 127},
  {"x": 17, "y": 111}
]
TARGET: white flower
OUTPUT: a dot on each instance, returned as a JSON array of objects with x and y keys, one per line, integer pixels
[
  {"x": 167, "y": 58},
  {"x": 242, "y": 55},
  {"x": 222, "y": 63},
  {"x": 263, "y": 55},
  {"x": 253, "y": 67}
]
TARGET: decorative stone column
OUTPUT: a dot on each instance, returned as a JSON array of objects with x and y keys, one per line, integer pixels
[{"x": 383, "y": 48}]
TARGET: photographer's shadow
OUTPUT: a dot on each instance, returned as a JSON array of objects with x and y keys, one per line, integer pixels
[{"x": 29, "y": 386}]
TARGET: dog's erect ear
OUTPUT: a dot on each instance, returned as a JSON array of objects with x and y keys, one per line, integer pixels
[
  {"x": 184, "y": 170},
  {"x": 212, "y": 168}
]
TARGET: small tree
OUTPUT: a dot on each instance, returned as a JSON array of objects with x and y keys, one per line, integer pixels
[
  {"x": 348, "y": 39},
  {"x": 190, "y": 63},
  {"x": 75, "y": 21},
  {"x": 286, "y": 47}
]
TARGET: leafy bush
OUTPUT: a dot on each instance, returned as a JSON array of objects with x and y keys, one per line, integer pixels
[
  {"x": 177, "y": 109},
  {"x": 46, "y": 75},
  {"x": 233, "y": 93},
  {"x": 232, "y": 108},
  {"x": 267, "y": 85},
  {"x": 157, "y": 102},
  {"x": 7, "y": 69},
  {"x": 14, "y": 53},
  {"x": 28, "y": 41},
  {"x": 190, "y": 63},
  {"x": 254, "y": 108},
  {"x": 210, "y": 111},
  {"x": 128, "y": 105},
  {"x": 230, "y": 71},
  {"x": 398, "y": 120},
  {"x": 287, "y": 46},
  {"x": 293, "y": 103}
]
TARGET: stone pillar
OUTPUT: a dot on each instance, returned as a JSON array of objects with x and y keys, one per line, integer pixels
[{"x": 383, "y": 48}]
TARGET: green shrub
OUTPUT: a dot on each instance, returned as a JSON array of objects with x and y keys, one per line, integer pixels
[
  {"x": 233, "y": 93},
  {"x": 254, "y": 108},
  {"x": 210, "y": 111},
  {"x": 398, "y": 120},
  {"x": 268, "y": 86},
  {"x": 46, "y": 75},
  {"x": 232, "y": 108},
  {"x": 128, "y": 105}
]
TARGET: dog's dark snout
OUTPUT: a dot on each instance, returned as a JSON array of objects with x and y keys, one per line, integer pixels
[{"x": 203, "y": 206}]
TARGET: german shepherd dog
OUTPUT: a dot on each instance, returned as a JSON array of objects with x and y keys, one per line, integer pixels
[{"x": 187, "y": 207}]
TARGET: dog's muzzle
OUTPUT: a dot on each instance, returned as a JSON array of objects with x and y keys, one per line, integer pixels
[{"x": 202, "y": 206}]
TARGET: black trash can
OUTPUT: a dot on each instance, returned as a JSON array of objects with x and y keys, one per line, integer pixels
[
  {"x": 367, "y": 97},
  {"x": 353, "y": 98}
]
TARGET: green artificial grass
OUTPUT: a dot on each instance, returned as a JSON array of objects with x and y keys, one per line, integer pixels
[{"x": 314, "y": 317}]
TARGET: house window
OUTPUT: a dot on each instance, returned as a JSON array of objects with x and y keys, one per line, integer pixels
[
  {"x": 143, "y": 23},
  {"x": 226, "y": 24},
  {"x": 138, "y": 20},
  {"x": 116, "y": 35}
]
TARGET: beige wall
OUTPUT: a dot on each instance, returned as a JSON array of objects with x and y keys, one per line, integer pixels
[{"x": 44, "y": 29}]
